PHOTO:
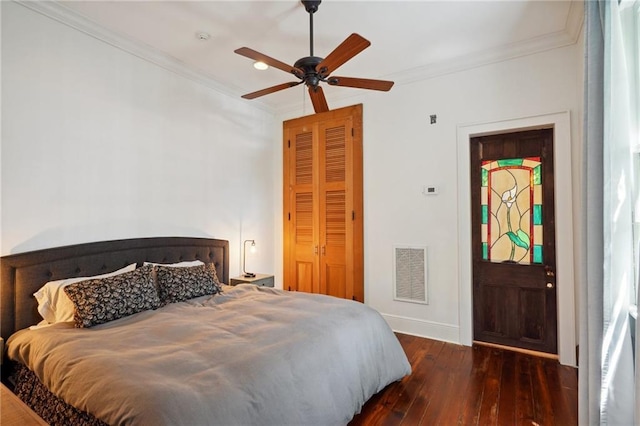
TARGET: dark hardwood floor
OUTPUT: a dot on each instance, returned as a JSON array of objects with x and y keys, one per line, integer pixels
[{"x": 479, "y": 385}]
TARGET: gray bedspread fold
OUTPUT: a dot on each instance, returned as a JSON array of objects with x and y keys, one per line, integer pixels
[{"x": 250, "y": 356}]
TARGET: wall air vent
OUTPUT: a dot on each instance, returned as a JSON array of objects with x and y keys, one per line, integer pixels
[{"x": 410, "y": 274}]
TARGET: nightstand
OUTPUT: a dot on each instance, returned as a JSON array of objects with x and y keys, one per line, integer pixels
[{"x": 261, "y": 280}]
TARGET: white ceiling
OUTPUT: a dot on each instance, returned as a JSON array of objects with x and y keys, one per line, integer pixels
[{"x": 410, "y": 40}]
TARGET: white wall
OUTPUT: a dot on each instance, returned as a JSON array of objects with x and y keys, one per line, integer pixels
[
  {"x": 403, "y": 152},
  {"x": 98, "y": 144}
]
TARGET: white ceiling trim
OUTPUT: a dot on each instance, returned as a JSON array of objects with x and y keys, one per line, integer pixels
[
  {"x": 60, "y": 13},
  {"x": 573, "y": 27},
  {"x": 143, "y": 51},
  {"x": 504, "y": 53},
  {"x": 569, "y": 36}
]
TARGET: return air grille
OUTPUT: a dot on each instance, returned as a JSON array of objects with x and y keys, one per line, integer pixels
[{"x": 410, "y": 274}]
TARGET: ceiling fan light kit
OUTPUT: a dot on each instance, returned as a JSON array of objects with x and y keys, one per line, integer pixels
[
  {"x": 259, "y": 65},
  {"x": 313, "y": 70}
]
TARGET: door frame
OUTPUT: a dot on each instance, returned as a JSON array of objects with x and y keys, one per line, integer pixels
[{"x": 561, "y": 123}]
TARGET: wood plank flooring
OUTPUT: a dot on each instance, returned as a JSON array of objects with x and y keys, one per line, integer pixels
[{"x": 459, "y": 385}]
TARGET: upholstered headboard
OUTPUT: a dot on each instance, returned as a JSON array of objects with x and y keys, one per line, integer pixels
[{"x": 23, "y": 274}]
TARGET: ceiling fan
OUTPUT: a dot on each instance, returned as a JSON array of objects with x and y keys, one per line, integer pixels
[{"x": 312, "y": 70}]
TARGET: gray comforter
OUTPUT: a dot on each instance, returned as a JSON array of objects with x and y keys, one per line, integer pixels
[{"x": 251, "y": 356}]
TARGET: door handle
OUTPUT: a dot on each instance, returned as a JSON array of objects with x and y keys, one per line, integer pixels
[
  {"x": 324, "y": 250},
  {"x": 315, "y": 250}
]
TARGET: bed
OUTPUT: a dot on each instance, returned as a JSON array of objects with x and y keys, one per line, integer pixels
[{"x": 244, "y": 356}]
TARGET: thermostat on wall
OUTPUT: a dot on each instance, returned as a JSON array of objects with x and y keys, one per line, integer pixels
[{"x": 429, "y": 190}]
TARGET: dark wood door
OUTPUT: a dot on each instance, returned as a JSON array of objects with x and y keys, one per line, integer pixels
[{"x": 513, "y": 238}]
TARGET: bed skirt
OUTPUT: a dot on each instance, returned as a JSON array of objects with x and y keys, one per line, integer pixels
[{"x": 52, "y": 409}]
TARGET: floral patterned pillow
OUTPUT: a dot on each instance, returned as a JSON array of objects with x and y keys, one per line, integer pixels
[
  {"x": 102, "y": 300},
  {"x": 179, "y": 284}
]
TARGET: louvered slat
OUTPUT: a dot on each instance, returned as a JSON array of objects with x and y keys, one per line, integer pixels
[
  {"x": 304, "y": 218},
  {"x": 304, "y": 158},
  {"x": 335, "y": 161},
  {"x": 335, "y": 218}
]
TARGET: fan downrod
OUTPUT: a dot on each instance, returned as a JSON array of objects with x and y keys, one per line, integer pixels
[
  {"x": 308, "y": 64},
  {"x": 312, "y": 7}
]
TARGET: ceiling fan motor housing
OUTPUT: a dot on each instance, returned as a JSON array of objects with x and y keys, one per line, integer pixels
[{"x": 308, "y": 65}]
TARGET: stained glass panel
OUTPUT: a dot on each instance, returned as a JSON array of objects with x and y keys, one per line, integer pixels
[
  {"x": 510, "y": 162},
  {"x": 537, "y": 253},
  {"x": 485, "y": 177},
  {"x": 511, "y": 210},
  {"x": 537, "y": 176}
]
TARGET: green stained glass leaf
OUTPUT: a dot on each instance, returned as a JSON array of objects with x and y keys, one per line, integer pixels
[
  {"x": 485, "y": 177},
  {"x": 517, "y": 241},
  {"x": 485, "y": 214},
  {"x": 524, "y": 238},
  {"x": 537, "y": 175},
  {"x": 510, "y": 162},
  {"x": 537, "y": 214}
]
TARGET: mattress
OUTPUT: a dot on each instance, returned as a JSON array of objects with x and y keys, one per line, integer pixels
[{"x": 249, "y": 356}]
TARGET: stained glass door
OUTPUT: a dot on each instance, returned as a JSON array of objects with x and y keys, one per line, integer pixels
[
  {"x": 514, "y": 240},
  {"x": 511, "y": 203}
]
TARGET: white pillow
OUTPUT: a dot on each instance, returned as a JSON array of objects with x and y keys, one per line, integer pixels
[
  {"x": 185, "y": 264},
  {"x": 55, "y": 306}
]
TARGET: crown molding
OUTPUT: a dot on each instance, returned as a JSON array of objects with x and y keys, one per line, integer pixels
[
  {"x": 58, "y": 12},
  {"x": 570, "y": 35},
  {"x": 567, "y": 37},
  {"x": 487, "y": 57},
  {"x": 575, "y": 19}
]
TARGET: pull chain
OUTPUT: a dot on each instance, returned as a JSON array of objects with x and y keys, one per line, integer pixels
[{"x": 304, "y": 98}]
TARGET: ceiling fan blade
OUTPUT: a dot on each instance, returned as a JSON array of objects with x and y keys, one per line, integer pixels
[
  {"x": 349, "y": 48},
  {"x": 361, "y": 83},
  {"x": 317, "y": 99},
  {"x": 257, "y": 56},
  {"x": 272, "y": 89}
]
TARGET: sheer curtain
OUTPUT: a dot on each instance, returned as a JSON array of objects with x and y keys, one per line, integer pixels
[
  {"x": 618, "y": 385},
  {"x": 590, "y": 272},
  {"x": 607, "y": 379}
]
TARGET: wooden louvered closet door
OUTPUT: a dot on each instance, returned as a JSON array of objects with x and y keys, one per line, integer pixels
[
  {"x": 323, "y": 204},
  {"x": 303, "y": 214}
]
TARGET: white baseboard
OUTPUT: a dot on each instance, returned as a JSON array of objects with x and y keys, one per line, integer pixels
[{"x": 415, "y": 327}]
